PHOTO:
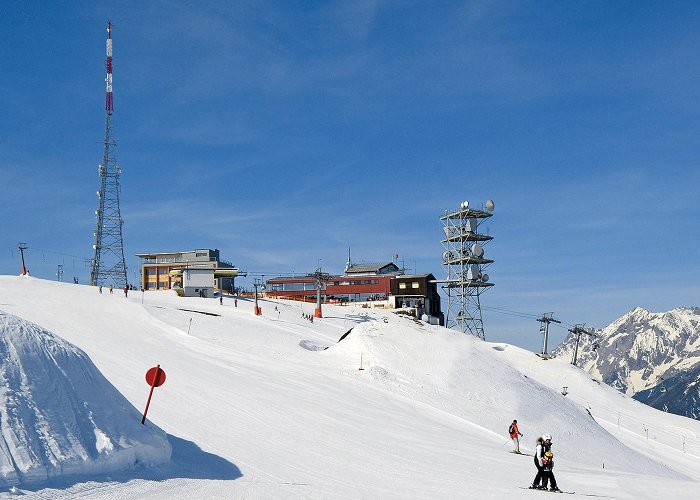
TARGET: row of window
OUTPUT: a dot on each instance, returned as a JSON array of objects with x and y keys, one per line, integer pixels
[
  {"x": 291, "y": 287},
  {"x": 151, "y": 271},
  {"x": 403, "y": 285},
  {"x": 162, "y": 259},
  {"x": 355, "y": 282},
  {"x": 297, "y": 287}
]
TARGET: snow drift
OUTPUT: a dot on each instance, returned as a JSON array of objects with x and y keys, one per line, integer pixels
[
  {"x": 462, "y": 376},
  {"x": 60, "y": 416}
]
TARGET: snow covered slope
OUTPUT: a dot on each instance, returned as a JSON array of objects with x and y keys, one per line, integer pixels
[
  {"x": 255, "y": 407},
  {"x": 654, "y": 357},
  {"x": 60, "y": 416}
]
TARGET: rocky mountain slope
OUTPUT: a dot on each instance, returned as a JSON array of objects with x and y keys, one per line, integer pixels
[{"x": 654, "y": 357}]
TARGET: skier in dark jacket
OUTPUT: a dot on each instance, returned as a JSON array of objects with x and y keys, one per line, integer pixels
[
  {"x": 547, "y": 474},
  {"x": 544, "y": 465}
]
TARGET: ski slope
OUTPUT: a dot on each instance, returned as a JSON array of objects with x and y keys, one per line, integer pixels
[{"x": 255, "y": 407}]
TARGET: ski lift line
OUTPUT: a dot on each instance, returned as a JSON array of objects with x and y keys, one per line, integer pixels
[
  {"x": 507, "y": 313},
  {"x": 512, "y": 313},
  {"x": 523, "y": 315},
  {"x": 274, "y": 273},
  {"x": 29, "y": 250}
]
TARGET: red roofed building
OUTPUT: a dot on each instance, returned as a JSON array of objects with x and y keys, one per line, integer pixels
[{"x": 380, "y": 284}]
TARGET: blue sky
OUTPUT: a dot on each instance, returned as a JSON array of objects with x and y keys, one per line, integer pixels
[{"x": 284, "y": 132}]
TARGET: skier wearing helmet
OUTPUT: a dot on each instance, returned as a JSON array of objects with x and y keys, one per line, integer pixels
[
  {"x": 547, "y": 474},
  {"x": 544, "y": 444}
]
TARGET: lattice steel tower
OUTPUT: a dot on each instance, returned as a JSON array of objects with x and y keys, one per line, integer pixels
[
  {"x": 465, "y": 263},
  {"x": 108, "y": 264}
]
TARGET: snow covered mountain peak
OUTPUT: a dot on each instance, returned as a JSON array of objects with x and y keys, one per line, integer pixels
[
  {"x": 59, "y": 414},
  {"x": 642, "y": 349}
]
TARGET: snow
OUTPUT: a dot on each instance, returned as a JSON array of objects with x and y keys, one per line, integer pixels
[
  {"x": 255, "y": 407},
  {"x": 58, "y": 412}
]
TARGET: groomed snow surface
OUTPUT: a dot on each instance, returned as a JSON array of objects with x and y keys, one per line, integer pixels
[{"x": 256, "y": 407}]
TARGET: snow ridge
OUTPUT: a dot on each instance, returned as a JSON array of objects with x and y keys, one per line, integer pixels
[{"x": 58, "y": 414}]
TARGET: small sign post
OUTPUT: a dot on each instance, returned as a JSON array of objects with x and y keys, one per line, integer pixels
[{"x": 155, "y": 377}]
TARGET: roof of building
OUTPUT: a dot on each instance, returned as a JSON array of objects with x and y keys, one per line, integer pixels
[
  {"x": 372, "y": 267},
  {"x": 409, "y": 276}
]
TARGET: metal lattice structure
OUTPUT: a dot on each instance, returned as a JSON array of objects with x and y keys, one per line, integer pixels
[
  {"x": 108, "y": 264},
  {"x": 465, "y": 264}
]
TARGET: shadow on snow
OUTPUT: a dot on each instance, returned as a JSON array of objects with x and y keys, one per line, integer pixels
[{"x": 188, "y": 461}]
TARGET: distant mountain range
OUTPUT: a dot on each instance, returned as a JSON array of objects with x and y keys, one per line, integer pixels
[{"x": 653, "y": 357}]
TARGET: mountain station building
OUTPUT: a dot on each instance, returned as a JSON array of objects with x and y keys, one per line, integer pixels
[
  {"x": 193, "y": 273},
  {"x": 381, "y": 284}
]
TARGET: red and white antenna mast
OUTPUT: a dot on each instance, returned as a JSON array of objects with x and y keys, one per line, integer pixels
[
  {"x": 109, "y": 105},
  {"x": 108, "y": 264}
]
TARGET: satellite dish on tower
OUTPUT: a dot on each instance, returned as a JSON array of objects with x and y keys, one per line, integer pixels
[
  {"x": 465, "y": 205},
  {"x": 477, "y": 250},
  {"x": 485, "y": 277},
  {"x": 447, "y": 255},
  {"x": 490, "y": 205}
]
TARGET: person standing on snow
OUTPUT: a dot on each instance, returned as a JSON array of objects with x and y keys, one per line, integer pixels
[
  {"x": 514, "y": 433},
  {"x": 547, "y": 474},
  {"x": 544, "y": 444}
]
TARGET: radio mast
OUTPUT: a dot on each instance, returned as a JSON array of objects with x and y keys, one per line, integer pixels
[{"x": 108, "y": 264}]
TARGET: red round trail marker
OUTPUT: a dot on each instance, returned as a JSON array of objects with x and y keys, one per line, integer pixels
[
  {"x": 155, "y": 378},
  {"x": 152, "y": 379}
]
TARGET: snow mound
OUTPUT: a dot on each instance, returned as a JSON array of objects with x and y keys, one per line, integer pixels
[
  {"x": 462, "y": 376},
  {"x": 59, "y": 416}
]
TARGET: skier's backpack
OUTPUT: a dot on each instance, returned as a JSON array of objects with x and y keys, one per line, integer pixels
[{"x": 510, "y": 429}]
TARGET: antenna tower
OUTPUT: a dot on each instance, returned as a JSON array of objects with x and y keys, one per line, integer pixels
[
  {"x": 465, "y": 264},
  {"x": 108, "y": 264}
]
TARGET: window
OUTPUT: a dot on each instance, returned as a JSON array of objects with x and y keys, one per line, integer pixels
[
  {"x": 294, "y": 287},
  {"x": 402, "y": 286},
  {"x": 201, "y": 254},
  {"x": 150, "y": 271},
  {"x": 414, "y": 284}
]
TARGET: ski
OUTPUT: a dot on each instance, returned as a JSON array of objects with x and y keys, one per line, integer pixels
[
  {"x": 547, "y": 491},
  {"x": 567, "y": 492}
]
